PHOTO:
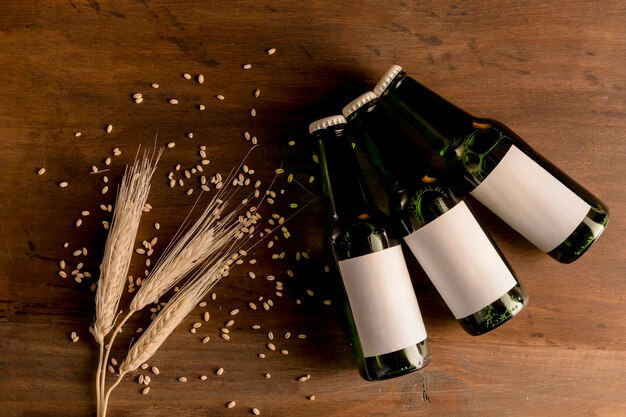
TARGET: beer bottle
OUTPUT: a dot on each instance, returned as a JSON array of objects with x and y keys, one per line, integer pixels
[
  {"x": 388, "y": 333},
  {"x": 456, "y": 253},
  {"x": 500, "y": 170}
]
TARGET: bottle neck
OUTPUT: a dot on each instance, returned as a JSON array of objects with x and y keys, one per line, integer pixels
[
  {"x": 440, "y": 121},
  {"x": 343, "y": 181},
  {"x": 410, "y": 170},
  {"x": 401, "y": 159}
]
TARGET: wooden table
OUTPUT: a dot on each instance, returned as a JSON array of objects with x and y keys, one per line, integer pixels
[{"x": 552, "y": 71}]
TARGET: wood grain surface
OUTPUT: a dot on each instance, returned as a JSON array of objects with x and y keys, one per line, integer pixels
[{"x": 552, "y": 71}]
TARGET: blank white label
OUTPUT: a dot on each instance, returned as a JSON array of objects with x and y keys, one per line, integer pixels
[
  {"x": 383, "y": 302},
  {"x": 461, "y": 261},
  {"x": 531, "y": 200}
]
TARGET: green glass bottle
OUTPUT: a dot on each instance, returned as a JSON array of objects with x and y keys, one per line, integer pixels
[
  {"x": 457, "y": 254},
  {"x": 388, "y": 332},
  {"x": 500, "y": 170}
]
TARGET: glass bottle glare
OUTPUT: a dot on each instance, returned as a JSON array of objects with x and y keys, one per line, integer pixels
[
  {"x": 499, "y": 169},
  {"x": 459, "y": 257},
  {"x": 388, "y": 333}
]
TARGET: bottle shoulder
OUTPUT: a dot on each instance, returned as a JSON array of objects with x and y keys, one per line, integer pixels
[{"x": 360, "y": 235}]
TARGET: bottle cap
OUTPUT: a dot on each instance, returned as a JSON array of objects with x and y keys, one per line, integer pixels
[
  {"x": 327, "y": 122},
  {"x": 386, "y": 80},
  {"x": 357, "y": 103}
]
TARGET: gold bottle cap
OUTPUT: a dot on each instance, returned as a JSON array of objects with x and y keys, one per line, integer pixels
[
  {"x": 357, "y": 103},
  {"x": 387, "y": 79}
]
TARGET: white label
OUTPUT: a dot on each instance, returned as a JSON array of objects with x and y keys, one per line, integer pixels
[
  {"x": 461, "y": 261},
  {"x": 382, "y": 300},
  {"x": 531, "y": 200}
]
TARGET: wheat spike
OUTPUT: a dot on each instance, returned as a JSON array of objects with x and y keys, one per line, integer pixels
[
  {"x": 176, "y": 310},
  {"x": 217, "y": 265},
  {"x": 188, "y": 251},
  {"x": 118, "y": 250}
]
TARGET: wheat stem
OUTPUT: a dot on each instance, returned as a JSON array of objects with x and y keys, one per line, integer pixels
[
  {"x": 103, "y": 366},
  {"x": 98, "y": 372},
  {"x": 105, "y": 402}
]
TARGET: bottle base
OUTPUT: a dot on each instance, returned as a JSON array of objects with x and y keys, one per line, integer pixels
[
  {"x": 583, "y": 237},
  {"x": 497, "y": 313},
  {"x": 394, "y": 364}
]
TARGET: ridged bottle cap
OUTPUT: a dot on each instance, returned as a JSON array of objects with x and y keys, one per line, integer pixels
[
  {"x": 327, "y": 122},
  {"x": 387, "y": 79},
  {"x": 357, "y": 103}
]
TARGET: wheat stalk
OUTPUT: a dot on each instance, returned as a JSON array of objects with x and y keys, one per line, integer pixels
[
  {"x": 217, "y": 265},
  {"x": 130, "y": 200}
]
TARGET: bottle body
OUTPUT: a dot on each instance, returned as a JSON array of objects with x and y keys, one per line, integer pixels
[
  {"x": 389, "y": 338},
  {"x": 500, "y": 170},
  {"x": 456, "y": 253},
  {"x": 461, "y": 260},
  {"x": 388, "y": 333}
]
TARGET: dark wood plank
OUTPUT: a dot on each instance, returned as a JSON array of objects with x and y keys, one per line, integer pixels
[{"x": 552, "y": 71}]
